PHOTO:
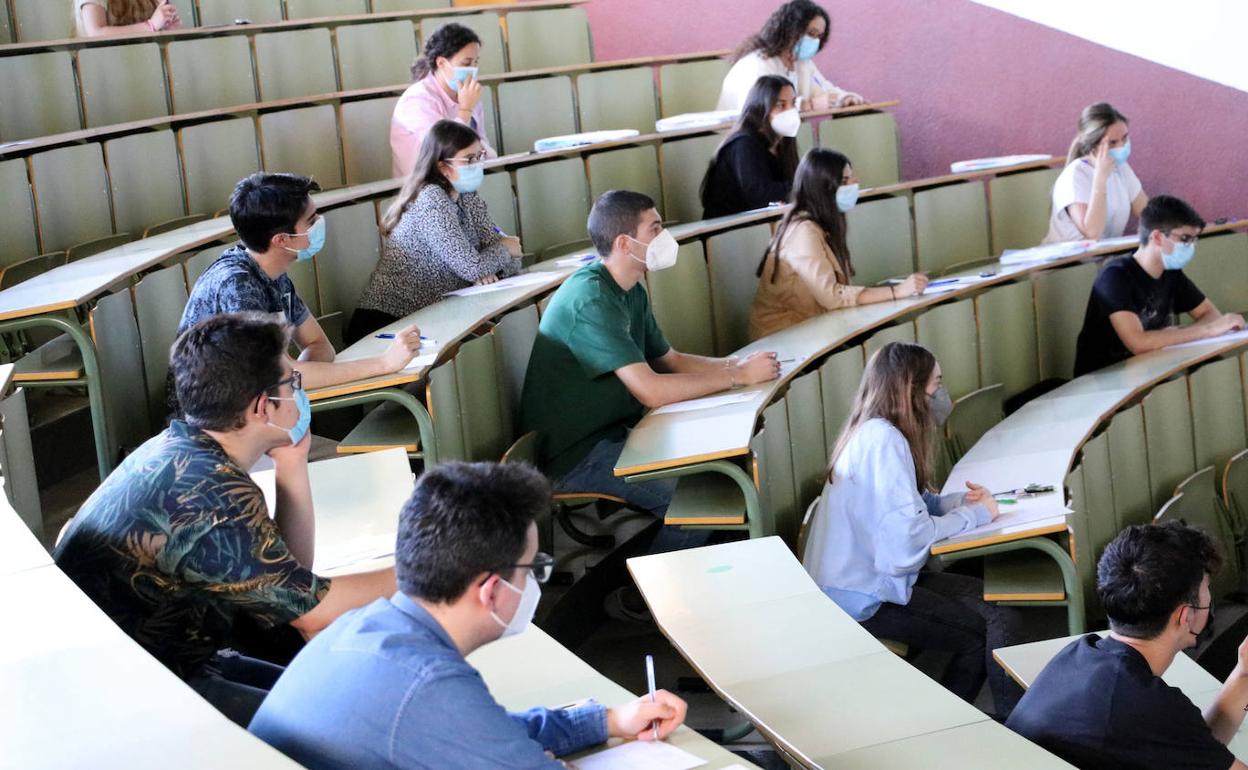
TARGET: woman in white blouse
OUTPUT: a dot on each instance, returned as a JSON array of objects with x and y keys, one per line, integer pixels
[
  {"x": 786, "y": 46},
  {"x": 1097, "y": 192},
  {"x": 877, "y": 519}
]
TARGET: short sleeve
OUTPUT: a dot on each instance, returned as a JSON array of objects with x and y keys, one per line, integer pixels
[
  {"x": 1073, "y": 185},
  {"x": 1187, "y": 296},
  {"x": 600, "y": 341},
  {"x": 1113, "y": 293},
  {"x": 243, "y": 561},
  {"x": 1175, "y": 730}
]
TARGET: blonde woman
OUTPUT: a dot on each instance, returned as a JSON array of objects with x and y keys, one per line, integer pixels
[
  {"x": 100, "y": 18},
  {"x": 1097, "y": 192},
  {"x": 877, "y": 518}
]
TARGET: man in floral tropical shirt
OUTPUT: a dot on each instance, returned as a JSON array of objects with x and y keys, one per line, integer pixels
[{"x": 177, "y": 542}]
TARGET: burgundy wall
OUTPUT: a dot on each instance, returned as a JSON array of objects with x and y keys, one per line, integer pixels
[{"x": 977, "y": 82}]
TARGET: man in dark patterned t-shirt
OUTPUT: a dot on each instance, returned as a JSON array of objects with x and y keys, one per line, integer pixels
[{"x": 177, "y": 542}]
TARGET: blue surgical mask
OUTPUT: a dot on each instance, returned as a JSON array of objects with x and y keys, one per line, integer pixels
[
  {"x": 471, "y": 175},
  {"x": 461, "y": 74},
  {"x": 806, "y": 48},
  {"x": 847, "y": 197},
  {"x": 316, "y": 241},
  {"x": 1120, "y": 154},
  {"x": 300, "y": 428},
  {"x": 1180, "y": 257}
]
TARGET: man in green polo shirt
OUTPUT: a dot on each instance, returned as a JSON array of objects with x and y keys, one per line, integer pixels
[{"x": 600, "y": 359}]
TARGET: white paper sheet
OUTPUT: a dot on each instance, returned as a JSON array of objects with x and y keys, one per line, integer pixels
[
  {"x": 577, "y": 261},
  {"x": 709, "y": 402},
  {"x": 946, "y": 285},
  {"x": 507, "y": 283},
  {"x": 1224, "y": 339},
  {"x": 1049, "y": 251},
  {"x": 963, "y": 166},
  {"x": 421, "y": 361},
  {"x": 580, "y": 140},
  {"x": 696, "y": 120},
  {"x": 640, "y": 755}
]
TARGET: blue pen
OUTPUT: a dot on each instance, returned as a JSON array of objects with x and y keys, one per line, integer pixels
[
  {"x": 390, "y": 336},
  {"x": 943, "y": 282}
]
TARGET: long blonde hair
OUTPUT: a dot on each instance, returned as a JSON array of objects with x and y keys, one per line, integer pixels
[
  {"x": 444, "y": 139},
  {"x": 1093, "y": 123},
  {"x": 894, "y": 387}
]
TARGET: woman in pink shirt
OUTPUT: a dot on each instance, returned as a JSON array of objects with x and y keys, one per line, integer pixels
[{"x": 444, "y": 87}]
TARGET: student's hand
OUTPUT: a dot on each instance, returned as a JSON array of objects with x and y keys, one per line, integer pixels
[
  {"x": 635, "y": 720},
  {"x": 819, "y": 102},
  {"x": 292, "y": 453},
  {"x": 482, "y": 281},
  {"x": 987, "y": 501},
  {"x": 850, "y": 99},
  {"x": 165, "y": 17},
  {"x": 756, "y": 368},
  {"x": 914, "y": 285},
  {"x": 1103, "y": 161},
  {"x": 1226, "y": 323},
  {"x": 976, "y": 493},
  {"x": 400, "y": 352},
  {"x": 512, "y": 244},
  {"x": 469, "y": 94}
]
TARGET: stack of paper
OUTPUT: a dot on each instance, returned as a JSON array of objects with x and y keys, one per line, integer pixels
[
  {"x": 640, "y": 755},
  {"x": 979, "y": 164},
  {"x": 524, "y": 279},
  {"x": 696, "y": 120},
  {"x": 580, "y": 140},
  {"x": 1046, "y": 253}
]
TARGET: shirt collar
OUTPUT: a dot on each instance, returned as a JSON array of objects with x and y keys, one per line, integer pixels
[
  {"x": 411, "y": 608},
  {"x": 433, "y": 87}
]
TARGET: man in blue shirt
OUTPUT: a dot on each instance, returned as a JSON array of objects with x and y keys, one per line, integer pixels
[
  {"x": 1101, "y": 703},
  {"x": 388, "y": 686}
]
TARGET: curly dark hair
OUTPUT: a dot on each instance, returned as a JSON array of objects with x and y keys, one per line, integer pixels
[
  {"x": 784, "y": 27},
  {"x": 445, "y": 43}
]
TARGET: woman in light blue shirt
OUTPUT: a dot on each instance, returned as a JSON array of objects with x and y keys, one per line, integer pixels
[{"x": 877, "y": 519}]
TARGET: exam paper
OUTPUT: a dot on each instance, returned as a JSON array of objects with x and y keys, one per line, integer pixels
[
  {"x": 696, "y": 120},
  {"x": 963, "y": 166},
  {"x": 582, "y": 139},
  {"x": 945, "y": 285},
  {"x": 1222, "y": 340},
  {"x": 423, "y": 360},
  {"x": 709, "y": 402},
  {"x": 1049, "y": 251},
  {"x": 507, "y": 283},
  {"x": 640, "y": 755},
  {"x": 577, "y": 261}
]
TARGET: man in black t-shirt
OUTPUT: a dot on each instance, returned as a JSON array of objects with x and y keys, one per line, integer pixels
[
  {"x": 1101, "y": 702},
  {"x": 1135, "y": 298}
]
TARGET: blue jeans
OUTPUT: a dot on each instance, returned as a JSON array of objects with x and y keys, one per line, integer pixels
[
  {"x": 235, "y": 684},
  {"x": 596, "y": 473}
]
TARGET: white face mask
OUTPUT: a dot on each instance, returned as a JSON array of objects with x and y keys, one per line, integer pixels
[
  {"x": 661, "y": 252},
  {"x": 525, "y": 610},
  {"x": 787, "y": 123}
]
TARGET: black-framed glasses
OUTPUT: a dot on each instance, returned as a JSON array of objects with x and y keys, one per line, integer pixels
[
  {"x": 1200, "y": 606},
  {"x": 542, "y": 566},
  {"x": 1184, "y": 239},
  {"x": 295, "y": 381}
]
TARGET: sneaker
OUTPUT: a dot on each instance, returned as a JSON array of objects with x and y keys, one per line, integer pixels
[{"x": 626, "y": 604}]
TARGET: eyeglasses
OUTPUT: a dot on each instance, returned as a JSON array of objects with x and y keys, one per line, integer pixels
[
  {"x": 1183, "y": 239},
  {"x": 295, "y": 381},
  {"x": 542, "y": 566},
  {"x": 477, "y": 158},
  {"x": 1200, "y": 607}
]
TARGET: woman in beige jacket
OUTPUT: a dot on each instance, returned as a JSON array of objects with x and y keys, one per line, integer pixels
[{"x": 807, "y": 268}]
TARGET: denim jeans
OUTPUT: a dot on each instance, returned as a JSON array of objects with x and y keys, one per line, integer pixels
[
  {"x": 596, "y": 473},
  {"x": 235, "y": 684},
  {"x": 947, "y": 613}
]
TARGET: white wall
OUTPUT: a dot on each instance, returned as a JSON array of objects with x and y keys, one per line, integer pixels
[{"x": 1206, "y": 38}]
